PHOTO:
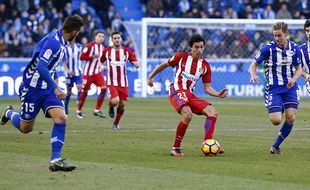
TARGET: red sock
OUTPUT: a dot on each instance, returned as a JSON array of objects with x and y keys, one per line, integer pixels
[
  {"x": 181, "y": 129},
  {"x": 209, "y": 127},
  {"x": 100, "y": 99},
  {"x": 119, "y": 114},
  {"x": 82, "y": 100}
]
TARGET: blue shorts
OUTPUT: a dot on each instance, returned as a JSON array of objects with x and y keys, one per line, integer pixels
[
  {"x": 280, "y": 97},
  {"x": 75, "y": 79},
  {"x": 33, "y": 99}
]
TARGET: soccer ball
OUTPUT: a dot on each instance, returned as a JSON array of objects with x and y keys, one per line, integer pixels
[{"x": 210, "y": 147}]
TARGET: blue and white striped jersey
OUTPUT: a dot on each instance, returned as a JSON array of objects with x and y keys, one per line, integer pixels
[
  {"x": 305, "y": 57},
  {"x": 279, "y": 63},
  {"x": 50, "y": 51},
  {"x": 72, "y": 59}
]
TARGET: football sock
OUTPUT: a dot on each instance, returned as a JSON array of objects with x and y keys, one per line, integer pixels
[
  {"x": 82, "y": 100},
  {"x": 67, "y": 100},
  {"x": 181, "y": 129},
  {"x": 119, "y": 114},
  {"x": 284, "y": 132},
  {"x": 14, "y": 118},
  {"x": 78, "y": 97},
  {"x": 100, "y": 99},
  {"x": 209, "y": 127},
  {"x": 57, "y": 139}
]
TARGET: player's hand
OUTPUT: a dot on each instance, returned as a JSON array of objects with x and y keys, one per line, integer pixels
[
  {"x": 254, "y": 79},
  {"x": 150, "y": 82},
  {"x": 291, "y": 83},
  {"x": 96, "y": 56},
  {"x": 136, "y": 65},
  {"x": 60, "y": 94},
  {"x": 70, "y": 73},
  {"x": 223, "y": 93},
  {"x": 103, "y": 68}
]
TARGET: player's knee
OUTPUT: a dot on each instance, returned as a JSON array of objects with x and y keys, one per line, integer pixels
[
  {"x": 276, "y": 121},
  {"x": 25, "y": 129},
  {"x": 290, "y": 119},
  {"x": 61, "y": 119},
  {"x": 188, "y": 116}
]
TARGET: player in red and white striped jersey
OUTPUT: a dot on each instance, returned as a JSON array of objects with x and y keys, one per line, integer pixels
[
  {"x": 189, "y": 68},
  {"x": 116, "y": 58},
  {"x": 92, "y": 73}
]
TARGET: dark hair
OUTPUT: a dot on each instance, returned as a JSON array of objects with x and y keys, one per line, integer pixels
[
  {"x": 99, "y": 32},
  {"x": 116, "y": 32},
  {"x": 196, "y": 38},
  {"x": 73, "y": 23},
  {"x": 307, "y": 24}
]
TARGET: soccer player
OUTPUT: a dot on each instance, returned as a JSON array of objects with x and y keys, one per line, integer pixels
[
  {"x": 116, "y": 57},
  {"x": 189, "y": 68},
  {"x": 305, "y": 54},
  {"x": 73, "y": 70},
  {"x": 38, "y": 90},
  {"x": 281, "y": 58},
  {"x": 92, "y": 74}
]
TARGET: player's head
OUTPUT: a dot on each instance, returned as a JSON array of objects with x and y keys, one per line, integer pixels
[
  {"x": 116, "y": 39},
  {"x": 197, "y": 45},
  {"x": 307, "y": 28},
  {"x": 280, "y": 33},
  {"x": 72, "y": 26},
  {"x": 99, "y": 37}
]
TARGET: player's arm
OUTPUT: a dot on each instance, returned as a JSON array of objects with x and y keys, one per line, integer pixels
[
  {"x": 158, "y": 69},
  {"x": 136, "y": 64},
  {"x": 133, "y": 59},
  {"x": 208, "y": 89},
  {"x": 298, "y": 72},
  {"x": 253, "y": 68},
  {"x": 85, "y": 54},
  {"x": 305, "y": 75},
  {"x": 65, "y": 65}
]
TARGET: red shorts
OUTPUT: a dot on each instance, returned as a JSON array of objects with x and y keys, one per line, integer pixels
[
  {"x": 121, "y": 92},
  {"x": 182, "y": 97},
  {"x": 96, "y": 79}
]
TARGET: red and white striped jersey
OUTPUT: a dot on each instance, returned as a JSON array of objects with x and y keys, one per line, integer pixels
[
  {"x": 92, "y": 65},
  {"x": 116, "y": 62},
  {"x": 188, "y": 71}
]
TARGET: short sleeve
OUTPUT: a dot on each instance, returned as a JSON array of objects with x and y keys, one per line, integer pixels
[
  {"x": 263, "y": 54},
  {"x": 174, "y": 60}
]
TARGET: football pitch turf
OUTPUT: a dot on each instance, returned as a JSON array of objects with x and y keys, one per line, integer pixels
[{"x": 137, "y": 156}]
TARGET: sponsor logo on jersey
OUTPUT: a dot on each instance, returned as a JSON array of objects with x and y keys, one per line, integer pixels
[{"x": 47, "y": 53}]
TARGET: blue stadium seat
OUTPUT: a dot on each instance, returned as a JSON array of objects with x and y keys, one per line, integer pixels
[{"x": 129, "y": 11}]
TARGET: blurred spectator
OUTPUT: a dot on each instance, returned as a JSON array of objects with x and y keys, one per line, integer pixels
[
  {"x": 283, "y": 13},
  {"x": 3, "y": 48},
  {"x": 153, "y": 6},
  {"x": 170, "y": 7},
  {"x": 117, "y": 23},
  {"x": 269, "y": 13},
  {"x": 10, "y": 35},
  {"x": 15, "y": 49},
  {"x": 230, "y": 13},
  {"x": 303, "y": 6},
  {"x": 183, "y": 6},
  {"x": 28, "y": 47},
  {"x": 68, "y": 9}
]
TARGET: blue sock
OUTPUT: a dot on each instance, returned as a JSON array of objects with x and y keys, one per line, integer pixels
[
  {"x": 78, "y": 97},
  {"x": 57, "y": 139},
  {"x": 284, "y": 132},
  {"x": 67, "y": 101},
  {"x": 15, "y": 118}
]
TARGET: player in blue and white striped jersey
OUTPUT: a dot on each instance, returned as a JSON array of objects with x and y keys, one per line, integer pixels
[
  {"x": 282, "y": 60},
  {"x": 305, "y": 55},
  {"x": 73, "y": 70},
  {"x": 38, "y": 90}
]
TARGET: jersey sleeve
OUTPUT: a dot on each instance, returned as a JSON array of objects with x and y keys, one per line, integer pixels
[
  {"x": 206, "y": 77},
  {"x": 50, "y": 48},
  {"x": 132, "y": 57},
  {"x": 262, "y": 55},
  {"x": 103, "y": 56},
  {"x": 297, "y": 60},
  {"x": 85, "y": 53},
  {"x": 174, "y": 60}
]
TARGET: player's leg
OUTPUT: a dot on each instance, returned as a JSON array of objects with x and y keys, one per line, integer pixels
[
  {"x": 123, "y": 94},
  {"x": 87, "y": 81},
  {"x": 100, "y": 82},
  {"x": 291, "y": 101},
  {"x": 114, "y": 100},
  {"x": 67, "y": 100},
  {"x": 54, "y": 109},
  {"x": 180, "y": 101},
  {"x": 79, "y": 85}
]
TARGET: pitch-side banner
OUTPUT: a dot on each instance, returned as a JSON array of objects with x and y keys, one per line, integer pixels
[{"x": 231, "y": 75}]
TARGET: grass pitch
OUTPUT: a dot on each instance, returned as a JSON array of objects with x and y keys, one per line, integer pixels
[{"x": 137, "y": 156}]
